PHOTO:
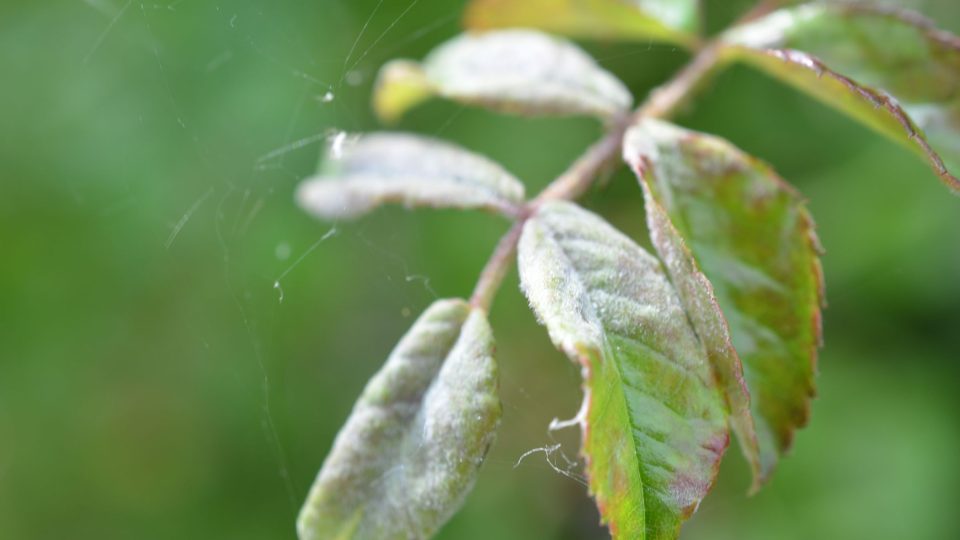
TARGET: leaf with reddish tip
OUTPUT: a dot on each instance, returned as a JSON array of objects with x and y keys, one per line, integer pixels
[
  {"x": 364, "y": 172},
  {"x": 409, "y": 453},
  {"x": 675, "y": 21},
  {"x": 655, "y": 421},
  {"x": 512, "y": 71},
  {"x": 753, "y": 238},
  {"x": 888, "y": 68}
]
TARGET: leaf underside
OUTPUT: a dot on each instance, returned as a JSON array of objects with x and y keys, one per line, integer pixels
[
  {"x": 675, "y": 21},
  {"x": 379, "y": 168},
  {"x": 753, "y": 238},
  {"x": 655, "y": 424},
  {"x": 890, "y": 69},
  {"x": 409, "y": 453},
  {"x": 512, "y": 71}
]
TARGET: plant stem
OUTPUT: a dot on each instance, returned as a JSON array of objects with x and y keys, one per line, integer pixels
[
  {"x": 662, "y": 102},
  {"x": 496, "y": 268}
]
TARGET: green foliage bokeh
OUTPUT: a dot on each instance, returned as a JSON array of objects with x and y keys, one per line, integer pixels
[{"x": 154, "y": 385}]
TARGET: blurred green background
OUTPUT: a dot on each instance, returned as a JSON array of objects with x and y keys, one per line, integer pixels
[{"x": 179, "y": 343}]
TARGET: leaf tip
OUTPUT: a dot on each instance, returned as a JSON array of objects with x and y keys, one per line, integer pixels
[
  {"x": 476, "y": 15},
  {"x": 317, "y": 198},
  {"x": 400, "y": 86}
]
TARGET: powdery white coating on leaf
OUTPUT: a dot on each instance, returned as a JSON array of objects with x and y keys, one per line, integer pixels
[
  {"x": 408, "y": 454},
  {"x": 697, "y": 295},
  {"x": 889, "y": 68},
  {"x": 379, "y": 168},
  {"x": 752, "y": 237},
  {"x": 769, "y": 33},
  {"x": 668, "y": 20},
  {"x": 518, "y": 71},
  {"x": 655, "y": 421}
]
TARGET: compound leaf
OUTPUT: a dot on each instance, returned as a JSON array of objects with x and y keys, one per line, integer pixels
[
  {"x": 511, "y": 71},
  {"x": 888, "y": 68},
  {"x": 364, "y": 172},
  {"x": 675, "y": 21},
  {"x": 654, "y": 420},
  {"x": 409, "y": 453},
  {"x": 753, "y": 238}
]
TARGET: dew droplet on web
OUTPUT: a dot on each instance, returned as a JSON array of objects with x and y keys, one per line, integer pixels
[
  {"x": 282, "y": 251},
  {"x": 279, "y": 289},
  {"x": 327, "y": 97},
  {"x": 354, "y": 77}
]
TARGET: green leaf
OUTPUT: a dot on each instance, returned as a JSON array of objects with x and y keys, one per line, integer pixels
[
  {"x": 675, "y": 21},
  {"x": 697, "y": 296},
  {"x": 753, "y": 238},
  {"x": 364, "y": 172},
  {"x": 409, "y": 453},
  {"x": 511, "y": 71},
  {"x": 654, "y": 420},
  {"x": 888, "y": 68}
]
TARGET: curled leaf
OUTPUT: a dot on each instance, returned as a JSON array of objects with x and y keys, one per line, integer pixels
[
  {"x": 511, "y": 71},
  {"x": 370, "y": 170},
  {"x": 408, "y": 454},
  {"x": 703, "y": 309},
  {"x": 655, "y": 422},
  {"x": 753, "y": 238},
  {"x": 668, "y": 20},
  {"x": 888, "y": 68}
]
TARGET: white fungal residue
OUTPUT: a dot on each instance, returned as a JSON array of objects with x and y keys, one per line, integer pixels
[{"x": 549, "y": 451}]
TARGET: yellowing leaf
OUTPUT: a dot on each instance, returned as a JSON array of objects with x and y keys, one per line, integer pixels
[
  {"x": 888, "y": 68},
  {"x": 753, "y": 238},
  {"x": 409, "y": 453},
  {"x": 668, "y": 20},
  {"x": 401, "y": 86},
  {"x": 655, "y": 421},
  {"x": 364, "y": 172},
  {"x": 512, "y": 71}
]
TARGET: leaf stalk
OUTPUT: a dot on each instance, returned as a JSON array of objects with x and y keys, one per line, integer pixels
[{"x": 662, "y": 102}]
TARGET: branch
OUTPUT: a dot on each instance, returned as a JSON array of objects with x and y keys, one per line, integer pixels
[
  {"x": 496, "y": 268},
  {"x": 662, "y": 102}
]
